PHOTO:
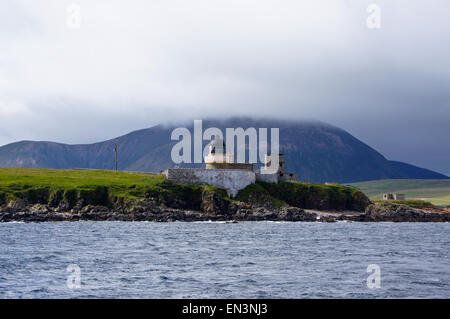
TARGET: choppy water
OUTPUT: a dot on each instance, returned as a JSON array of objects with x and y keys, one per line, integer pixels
[{"x": 215, "y": 260}]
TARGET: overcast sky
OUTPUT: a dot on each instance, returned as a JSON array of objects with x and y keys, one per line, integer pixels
[{"x": 133, "y": 64}]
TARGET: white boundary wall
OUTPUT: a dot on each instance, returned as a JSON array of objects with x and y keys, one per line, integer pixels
[{"x": 232, "y": 180}]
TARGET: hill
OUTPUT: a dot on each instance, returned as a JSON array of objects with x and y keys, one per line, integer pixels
[
  {"x": 435, "y": 191},
  {"x": 316, "y": 151}
]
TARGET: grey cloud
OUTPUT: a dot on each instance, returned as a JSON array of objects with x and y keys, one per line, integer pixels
[{"x": 135, "y": 64}]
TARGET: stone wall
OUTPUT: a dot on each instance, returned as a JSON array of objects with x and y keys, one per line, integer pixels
[
  {"x": 288, "y": 177},
  {"x": 268, "y": 178},
  {"x": 229, "y": 179},
  {"x": 248, "y": 167}
]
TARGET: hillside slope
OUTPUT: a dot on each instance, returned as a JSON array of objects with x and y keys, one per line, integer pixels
[{"x": 318, "y": 152}]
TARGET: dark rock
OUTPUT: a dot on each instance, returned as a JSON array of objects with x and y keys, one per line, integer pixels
[
  {"x": 17, "y": 205},
  {"x": 214, "y": 203},
  {"x": 400, "y": 213},
  {"x": 99, "y": 209},
  {"x": 62, "y": 207},
  {"x": 296, "y": 214},
  {"x": 39, "y": 209},
  {"x": 55, "y": 198},
  {"x": 214, "y": 208}
]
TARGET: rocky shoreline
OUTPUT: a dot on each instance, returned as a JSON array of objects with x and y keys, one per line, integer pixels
[{"x": 212, "y": 210}]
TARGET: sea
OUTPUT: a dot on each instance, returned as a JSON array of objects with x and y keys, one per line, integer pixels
[{"x": 224, "y": 260}]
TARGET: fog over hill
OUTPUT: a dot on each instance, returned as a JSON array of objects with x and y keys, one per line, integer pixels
[{"x": 318, "y": 152}]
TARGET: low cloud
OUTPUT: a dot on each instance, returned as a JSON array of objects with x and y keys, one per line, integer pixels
[{"x": 135, "y": 64}]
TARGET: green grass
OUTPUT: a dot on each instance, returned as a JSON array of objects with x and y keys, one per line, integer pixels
[
  {"x": 74, "y": 178},
  {"x": 436, "y": 192},
  {"x": 416, "y": 203},
  {"x": 37, "y": 184},
  {"x": 441, "y": 201}
]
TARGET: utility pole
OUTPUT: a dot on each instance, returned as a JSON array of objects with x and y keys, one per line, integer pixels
[{"x": 115, "y": 151}]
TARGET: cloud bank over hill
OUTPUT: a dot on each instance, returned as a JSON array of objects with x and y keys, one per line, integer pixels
[{"x": 135, "y": 64}]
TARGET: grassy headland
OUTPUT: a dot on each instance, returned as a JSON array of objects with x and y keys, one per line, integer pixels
[
  {"x": 109, "y": 188},
  {"x": 315, "y": 196},
  {"x": 415, "y": 203},
  {"x": 40, "y": 185}
]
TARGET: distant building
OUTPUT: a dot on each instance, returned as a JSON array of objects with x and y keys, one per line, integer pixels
[
  {"x": 221, "y": 171},
  {"x": 394, "y": 196}
]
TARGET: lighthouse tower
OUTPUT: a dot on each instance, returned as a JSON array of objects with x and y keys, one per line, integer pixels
[
  {"x": 217, "y": 158},
  {"x": 217, "y": 153}
]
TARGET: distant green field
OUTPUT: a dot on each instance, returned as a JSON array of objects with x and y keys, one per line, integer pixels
[{"x": 435, "y": 191}]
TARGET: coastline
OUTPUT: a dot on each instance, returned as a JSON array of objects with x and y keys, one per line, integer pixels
[
  {"x": 19, "y": 211},
  {"x": 39, "y": 195}
]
